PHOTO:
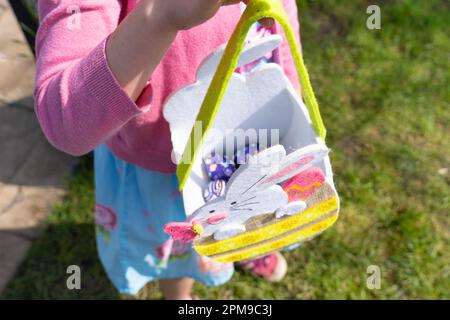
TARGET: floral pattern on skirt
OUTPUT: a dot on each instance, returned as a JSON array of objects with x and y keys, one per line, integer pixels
[{"x": 132, "y": 206}]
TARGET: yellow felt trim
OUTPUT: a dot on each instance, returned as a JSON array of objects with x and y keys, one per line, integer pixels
[
  {"x": 269, "y": 231},
  {"x": 283, "y": 242},
  {"x": 255, "y": 10}
]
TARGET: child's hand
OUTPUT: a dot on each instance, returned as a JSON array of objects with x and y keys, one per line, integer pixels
[
  {"x": 158, "y": 21},
  {"x": 185, "y": 14}
]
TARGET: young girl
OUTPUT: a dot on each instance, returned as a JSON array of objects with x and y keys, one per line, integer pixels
[{"x": 104, "y": 71}]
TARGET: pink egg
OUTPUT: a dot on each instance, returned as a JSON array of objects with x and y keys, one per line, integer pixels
[{"x": 303, "y": 185}]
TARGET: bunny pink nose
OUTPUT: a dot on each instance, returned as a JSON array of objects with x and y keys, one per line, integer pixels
[{"x": 219, "y": 216}]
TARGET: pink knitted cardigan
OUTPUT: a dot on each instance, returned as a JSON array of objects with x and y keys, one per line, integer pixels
[{"x": 80, "y": 104}]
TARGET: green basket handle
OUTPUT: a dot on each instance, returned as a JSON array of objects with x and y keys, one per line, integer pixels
[{"x": 256, "y": 10}]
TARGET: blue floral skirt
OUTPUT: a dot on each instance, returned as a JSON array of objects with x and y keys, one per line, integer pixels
[{"x": 132, "y": 206}]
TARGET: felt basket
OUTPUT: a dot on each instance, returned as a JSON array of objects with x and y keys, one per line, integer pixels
[{"x": 264, "y": 100}]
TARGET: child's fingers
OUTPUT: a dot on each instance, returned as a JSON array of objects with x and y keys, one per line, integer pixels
[
  {"x": 229, "y": 2},
  {"x": 266, "y": 22}
]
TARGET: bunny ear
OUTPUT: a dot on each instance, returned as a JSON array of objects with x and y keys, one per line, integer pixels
[
  {"x": 252, "y": 51},
  {"x": 248, "y": 178},
  {"x": 296, "y": 162},
  {"x": 180, "y": 231}
]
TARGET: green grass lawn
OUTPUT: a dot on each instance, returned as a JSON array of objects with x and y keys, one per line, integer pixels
[{"x": 385, "y": 98}]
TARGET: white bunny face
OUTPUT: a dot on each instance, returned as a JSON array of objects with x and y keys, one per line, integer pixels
[
  {"x": 253, "y": 189},
  {"x": 236, "y": 210}
]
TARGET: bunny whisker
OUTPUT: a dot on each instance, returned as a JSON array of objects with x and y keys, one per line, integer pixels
[
  {"x": 244, "y": 205},
  {"x": 243, "y": 202},
  {"x": 243, "y": 209},
  {"x": 259, "y": 180}
]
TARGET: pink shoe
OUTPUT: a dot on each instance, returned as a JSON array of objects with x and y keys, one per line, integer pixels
[{"x": 272, "y": 267}]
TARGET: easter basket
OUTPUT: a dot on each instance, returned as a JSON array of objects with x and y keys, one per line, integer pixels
[{"x": 282, "y": 195}]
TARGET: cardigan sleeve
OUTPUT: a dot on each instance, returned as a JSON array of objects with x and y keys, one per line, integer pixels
[{"x": 78, "y": 101}]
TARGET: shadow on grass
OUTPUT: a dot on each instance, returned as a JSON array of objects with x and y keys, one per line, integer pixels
[
  {"x": 44, "y": 273},
  {"x": 68, "y": 239}
]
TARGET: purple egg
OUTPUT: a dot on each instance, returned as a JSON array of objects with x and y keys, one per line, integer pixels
[
  {"x": 218, "y": 167},
  {"x": 242, "y": 155},
  {"x": 214, "y": 190}
]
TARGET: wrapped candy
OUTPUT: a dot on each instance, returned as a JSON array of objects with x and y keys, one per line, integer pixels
[
  {"x": 214, "y": 190},
  {"x": 218, "y": 167},
  {"x": 242, "y": 155}
]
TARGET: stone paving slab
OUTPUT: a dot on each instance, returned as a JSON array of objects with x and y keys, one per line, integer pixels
[
  {"x": 11, "y": 258},
  {"x": 16, "y": 60},
  {"x": 32, "y": 173}
]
